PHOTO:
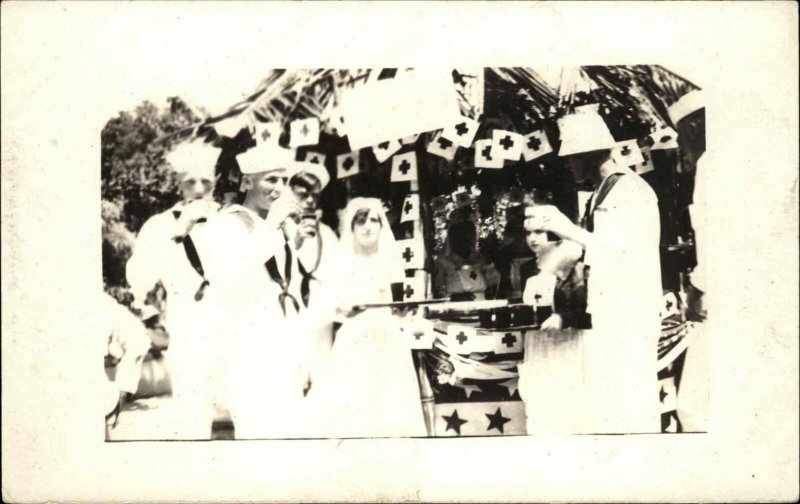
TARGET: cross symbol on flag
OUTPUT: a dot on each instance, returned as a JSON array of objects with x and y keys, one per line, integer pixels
[
  {"x": 383, "y": 145},
  {"x": 669, "y": 305},
  {"x": 408, "y": 254},
  {"x": 534, "y": 143},
  {"x": 537, "y": 296},
  {"x": 404, "y": 167},
  {"x": 507, "y": 143},
  {"x": 461, "y": 129},
  {"x": 487, "y": 152},
  {"x": 444, "y": 143},
  {"x": 314, "y": 160},
  {"x": 473, "y": 275},
  {"x": 409, "y": 291},
  {"x": 509, "y": 340},
  {"x": 408, "y": 207},
  {"x": 348, "y": 163},
  {"x": 485, "y": 155},
  {"x": 461, "y": 337},
  {"x": 626, "y": 150}
]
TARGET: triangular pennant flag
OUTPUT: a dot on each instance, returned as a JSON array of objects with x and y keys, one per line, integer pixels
[
  {"x": 462, "y": 133},
  {"x": 384, "y": 150},
  {"x": 507, "y": 144},
  {"x": 410, "y": 210},
  {"x": 304, "y": 132},
  {"x": 627, "y": 153},
  {"x": 404, "y": 167},
  {"x": 535, "y": 145},
  {"x": 412, "y": 253},
  {"x": 267, "y": 132},
  {"x": 442, "y": 147},
  {"x": 409, "y": 139},
  {"x": 315, "y": 158},
  {"x": 414, "y": 287},
  {"x": 347, "y": 165},
  {"x": 664, "y": 138},
  {"x": 485, "y": 156},
  {"x": 647, "y": 163}
]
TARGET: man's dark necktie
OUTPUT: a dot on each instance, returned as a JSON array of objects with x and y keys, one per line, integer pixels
[
  {"x": 305, "y": 283},
  {"x": 285, "y": 281},
  {"x": 193, "y": 256}
]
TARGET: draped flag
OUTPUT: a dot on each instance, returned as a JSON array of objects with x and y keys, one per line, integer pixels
[
  {"x": 535, "y": 145},
  {"x": 347, "y": 164},
  {"x": 304, "y": 132},
  {"x": 479, "y": 418},
  {"x": 404, "y": 167}
]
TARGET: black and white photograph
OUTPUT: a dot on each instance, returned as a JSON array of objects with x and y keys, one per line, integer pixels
[
  {"x": 393, "y": 252},
  {"x": 400, "y": 251}
]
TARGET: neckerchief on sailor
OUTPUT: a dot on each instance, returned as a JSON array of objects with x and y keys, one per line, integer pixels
[
  {"x": 597, "y": 198},
  {"x": 305, "y": 282},
  {"x": 283, "y": 281},
  {"x": 193, "y": 256}
]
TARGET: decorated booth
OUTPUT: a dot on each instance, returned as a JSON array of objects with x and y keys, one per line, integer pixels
[{"x": 455, "y": 156}]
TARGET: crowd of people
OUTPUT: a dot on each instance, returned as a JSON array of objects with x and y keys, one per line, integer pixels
[{"x": 266, "y": 305}]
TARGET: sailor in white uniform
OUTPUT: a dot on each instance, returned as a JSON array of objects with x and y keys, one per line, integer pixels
[
  {"x": 165, "y": 253},
  {"x": 621, "y": 243}
]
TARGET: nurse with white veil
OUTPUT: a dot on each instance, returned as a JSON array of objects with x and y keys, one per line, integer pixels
[{"x": 369, "y": 387}]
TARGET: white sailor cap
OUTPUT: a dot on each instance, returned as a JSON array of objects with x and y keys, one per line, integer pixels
[
  {"x": 194, "y": 159},
  {"x": 315, "y": 169},
  {"x": 265, "y": 157},
  {"x": 584, "y": 131}
]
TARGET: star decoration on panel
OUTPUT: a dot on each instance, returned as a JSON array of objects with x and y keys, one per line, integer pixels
[
  {"x": 385, "y": 150},
  {"x": 347, "y": 165},
  {"x": 485, "y": 156},
  {"x": 454, "y": 422},
  {"x": 442, "y": 147},
  {"x": 404, "y": 167},
  {"x": 497, "y": 420},
  {"x": 535, "y": 145},
  {"x": 507, "y": 144},
  {"x": 304, "y": 132}
]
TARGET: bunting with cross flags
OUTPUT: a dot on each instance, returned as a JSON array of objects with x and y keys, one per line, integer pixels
[
  {"x": 315, "y": 157},
  {"x": 404, "y": 167},
  {"x": 462, "y": 133},
  {"x": 627, "y": 153},
  {"x": 304, "y": 132},
  {"x": 507, "y": 144},
  {"x": 442, "y": 147},
  {"x": 485, "y": 156},
  {"x": 410, "y": 209},
  {"x": 664, "y": 138},
  {"x": 267, "y": 132},
  {"x": 412, "y": 253},
  {"x": 385, "y": 150},
  {"x": 535, "y": 145},
  {"x": 347, "y": 164},
  {"x": 647, "y": 162},
  {"x": 414, "y": 286}
]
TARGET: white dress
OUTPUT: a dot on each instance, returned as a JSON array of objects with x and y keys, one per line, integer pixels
[{"x": 369, "y": 387}]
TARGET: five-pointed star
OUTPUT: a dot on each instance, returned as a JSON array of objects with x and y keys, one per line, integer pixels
[
  {"x": 470, "y": 388},
  {"x": 497, "y": 420},
  {"x": 453, "y": 422}
]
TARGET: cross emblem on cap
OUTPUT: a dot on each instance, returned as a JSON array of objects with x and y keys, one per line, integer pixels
[{"x": 626, "y": 150}]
